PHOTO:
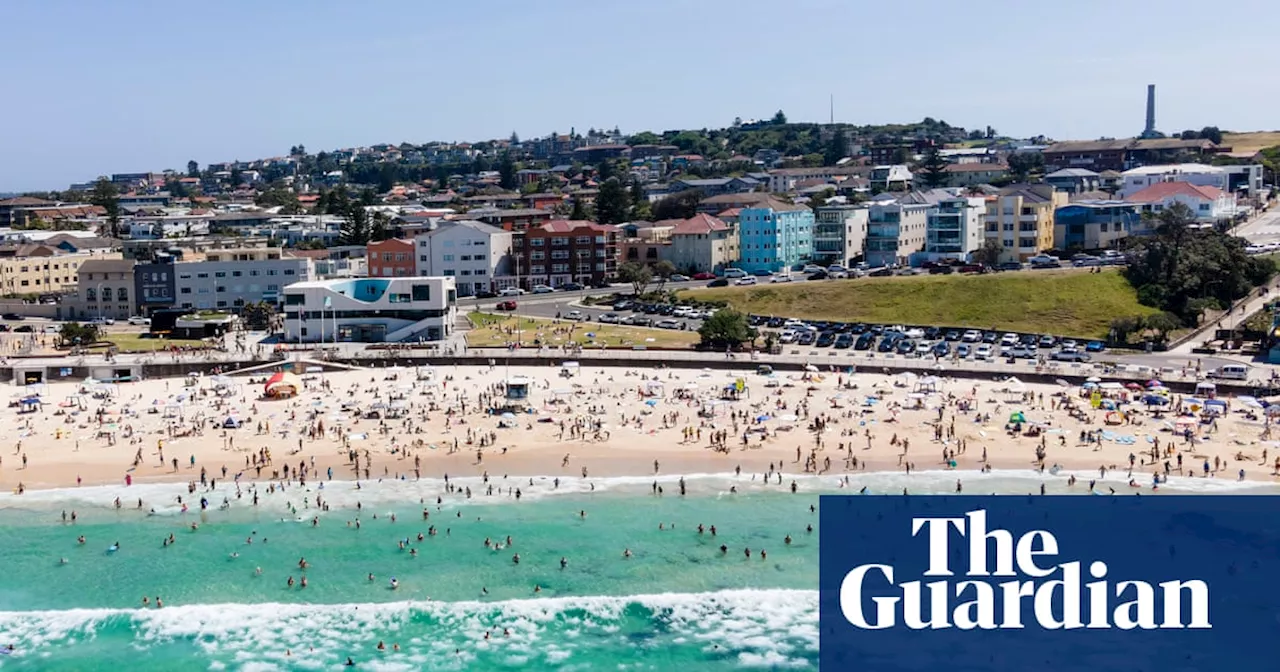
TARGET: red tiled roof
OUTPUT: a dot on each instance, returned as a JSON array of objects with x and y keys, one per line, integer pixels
[
  {"x": 1162, "y": 190},
  {"x": 570, "y": 225},
  {"x": 731, "y": 212},
  {"x": 699, "y": 224},
  {"x": 975, "y": 167},
  {"x": 25, "y": 201}
]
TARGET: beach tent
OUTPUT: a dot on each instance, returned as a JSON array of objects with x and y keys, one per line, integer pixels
[
  {"x": 1155, "y": 400},
  {"x": 29, "y": 404},
  {"x": 283, "y": 384},
  {"x": 1017, "y": 416},
  {"x": 1207, "y": 389},
  {"x": 928, "y": 385}
]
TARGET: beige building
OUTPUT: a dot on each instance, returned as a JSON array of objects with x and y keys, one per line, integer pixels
[
  {"x": 703, "y": 243},
  {"x": 105, "y": 289},
  {"x": 1021, "y": 219},
  {"x": 31, "y": 268}
]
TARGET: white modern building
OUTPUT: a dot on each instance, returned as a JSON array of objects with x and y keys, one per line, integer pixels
[
  {"x": 370, "y": 310},
  {"x": 954, "y": 228},
  {"x": 233, "y": 278},
  {"x": 839, "y": 233},
  {"x": 1198, "y": 174},
  {"x": 169, "y": 226},
  {"x": 477, "y": 254},
  {"x": 1210, "y": 205}
]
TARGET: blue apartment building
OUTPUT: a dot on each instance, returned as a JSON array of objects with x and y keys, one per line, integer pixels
[
  {"x": 1095, "y": 224},
  {"x": 775, "y": 236}
]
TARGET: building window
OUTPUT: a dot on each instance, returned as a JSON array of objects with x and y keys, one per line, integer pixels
[
  {"x": 479, "y": 257},
  {"x": 236, "y": 274},
  {"x": 288, "y": 271},
  {"x": 447, "y": 257},
  {"x": 220, "y": 274},
  {"x": 184, "y": 290}
]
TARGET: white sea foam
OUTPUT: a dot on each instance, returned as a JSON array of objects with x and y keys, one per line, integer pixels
[
  {"x": 377, "y": 495},
  {"x": 765, "y": 628}
]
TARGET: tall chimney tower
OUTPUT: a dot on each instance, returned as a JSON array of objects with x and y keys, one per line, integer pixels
[{"x": 1150, "y": 129}]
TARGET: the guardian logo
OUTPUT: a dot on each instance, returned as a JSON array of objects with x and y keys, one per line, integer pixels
[{"x": 1002, "y": 576}]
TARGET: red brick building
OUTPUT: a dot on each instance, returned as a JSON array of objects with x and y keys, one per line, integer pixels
[
  {"x": 562, "y": 251},
  {"x": 391, "y": 258}
]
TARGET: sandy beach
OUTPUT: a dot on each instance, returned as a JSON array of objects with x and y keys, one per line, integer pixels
[{"x": 598, "y": 422}]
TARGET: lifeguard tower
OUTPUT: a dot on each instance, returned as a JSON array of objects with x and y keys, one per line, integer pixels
[{"x": 517, "y": 392}]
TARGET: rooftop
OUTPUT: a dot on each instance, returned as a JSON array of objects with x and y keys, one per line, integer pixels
[{"x": 1163, "y": 190}]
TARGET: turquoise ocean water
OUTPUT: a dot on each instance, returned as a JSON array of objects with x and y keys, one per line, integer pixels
[{"x": 678, "y": 601}]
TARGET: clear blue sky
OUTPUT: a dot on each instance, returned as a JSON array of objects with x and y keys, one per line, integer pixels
[{"x": 132, "y": 85}]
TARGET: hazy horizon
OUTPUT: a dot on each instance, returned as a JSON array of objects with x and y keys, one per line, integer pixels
[{"x": 145, "y": 86}]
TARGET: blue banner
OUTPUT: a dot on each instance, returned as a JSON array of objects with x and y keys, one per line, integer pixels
[{"x": 1132, "y": 583}]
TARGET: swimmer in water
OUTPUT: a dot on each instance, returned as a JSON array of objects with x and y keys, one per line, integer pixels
[
  {"x": 371, "y": 576},
  {"x": 257, "y": 571},
  {"x": 80, "y": 539},
  {"x": 515, "y": 558},
  {"x": 64, "y": 561},
  {"x": 563, "y": 563},
  {"x": 290, "y": 582},
  {"x": 394, "y": 584},
  {"x": 626, "y": 553},
  {"x": 234, "y": 554}
]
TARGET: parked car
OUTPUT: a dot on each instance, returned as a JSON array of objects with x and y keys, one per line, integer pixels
[
  {"x": 964, "y": 350},
  {"x": 781, "y": 278},
  {"x": 622, "y": 305},
  {"x": 905, "y": 346},
  {"x": 668, "y": 324},
  {"x": 718, "y": 282},
  {"x": 807, "y": 337},
  {"x": 676, "y": 277},
  {"x": 811, "y": 268},
  {"x": 818, "y": 275},
  {"x": 610, "y": 318},
  {"x": 575, "y": 315},
  {"x": 1009, "y": 266},
  {"x": 13, "y": 317},
  {"x": 705, "y": 275},
  {"x": 511, "y": 291},
  {"x": 974, "y": 268},
  {"x": 97, "y": 320},
  {"x": 990, "y": 337},
  {"x": 1094, "y": 346},
  {"x": 971, "y": 336},
  {"x": 942, "y": 348},
  {"x": 1047, "y": 341},
  {"x": 882, "y": 272},
  {"x": 139, "y": 321},
  {"x": 746, "y": 280},
  {"x": 1070, "y": 356},
  {"x": 941, "y": 270},
  {"x": 506, "y": 305},
  {"x": 843, "y": 341},
  {"x": 24, "y": 329},
  {"x": 953, "y": 335},
  {"x": 864, "y": 342},
  {"x": 826, "y": 338},
  {"x": 543, "y": 289},
  {"x": 571, "y": 287},
  {"x": 982, "y": 352},
  {"x": 638, "y": 321}
]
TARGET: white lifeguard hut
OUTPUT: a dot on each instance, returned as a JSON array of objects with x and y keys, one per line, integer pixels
[{"x": 517, "y": 391}]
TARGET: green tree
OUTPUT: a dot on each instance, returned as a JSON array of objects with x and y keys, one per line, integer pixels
[
  {"x": 727, "y": 328},
  {"x": 637, "y": 274},
  {"x": 612, "y": 203},
  {"x": 837, "y": 149},
  {"x": 1122, "y": 327},
  {"x": 237, "y": 176},
  {"x": 640, "y": 208},
  {"x": 779, "y": 119},
  {"x": 379, "y": 226},
  {"x": 1185, "y": 270},
  {"x": 678, "y": 206},
  {"x": 1212, "y": 134},
  {"x": 356, "y": 229},
  {"x": 579, "y": 211},
  {"x": 644, "y": 138},
  {"x": 104, "y": 195},
  {"x": 507, "y": 172},
  {"x": 77, "y": 334},
  {"x": 989, "y": 253},
  {"x": 258, "y": 316},
  {"x": 175, "y": 188},
  {"x": 820, "y": 199},
  {"x": 1162, "y": 323},
  {"x": 193, "y": 169},
  {"x": 1023, "y": 164},
  {"x": 933, "y": 169},
  {"x": 663, "y": 270},
  {"x": 387, "y": 175}
]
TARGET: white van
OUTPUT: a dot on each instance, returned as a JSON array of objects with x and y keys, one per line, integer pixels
[
  {"x": 734, "y": 273},
  {"x": 1231, "y": 372}
]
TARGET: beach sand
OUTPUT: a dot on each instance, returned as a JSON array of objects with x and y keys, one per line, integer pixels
[{"x": 89, "y": 434}]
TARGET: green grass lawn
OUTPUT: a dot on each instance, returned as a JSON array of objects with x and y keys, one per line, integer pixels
[
  {"x": 1069, "y": 303},
  {"x": 495, "y": 330},
  {"x": 136, "y": 342}
]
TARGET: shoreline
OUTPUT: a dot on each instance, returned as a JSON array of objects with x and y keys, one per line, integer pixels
[{"x": 639, "y": 417}]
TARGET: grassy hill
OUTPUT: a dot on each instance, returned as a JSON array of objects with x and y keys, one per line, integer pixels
[
  {"x": 1251, "y": 142},
  {"x": 1065, "y": 302}
]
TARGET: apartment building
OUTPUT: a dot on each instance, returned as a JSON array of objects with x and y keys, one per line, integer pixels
[
  {"x": 30, "y": 268},
  {"x": 391, "y": 258},
  {"x": 478, "y": 255},
  {"x": 703, "y": 243},
  {"x": 839, "y": 233},
  {"x": 563, "y": 251},
  {"x": 230, "y": 279},
  {"x": 775, "y": 236},
  {"x": 104, "y": 289},
  {"x": 953, "y": 228},
  {"x": 1021, "y": 218},
  {"x": 897, "y": 226}
]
